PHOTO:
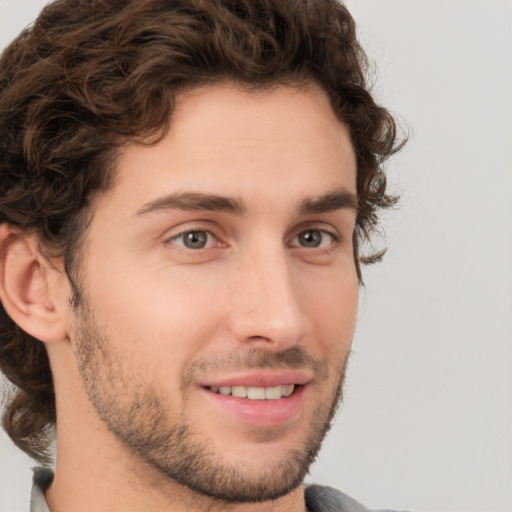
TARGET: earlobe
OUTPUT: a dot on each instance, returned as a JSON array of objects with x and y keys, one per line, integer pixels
[{"x": 30, "y": 291}]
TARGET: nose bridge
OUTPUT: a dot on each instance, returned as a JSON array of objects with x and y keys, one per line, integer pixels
[{"x": 267, "y": 304}]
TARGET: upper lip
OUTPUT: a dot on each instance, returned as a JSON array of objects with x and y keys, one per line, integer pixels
[{"x": 260, "y": 379}]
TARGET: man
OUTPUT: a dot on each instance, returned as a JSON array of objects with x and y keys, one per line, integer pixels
[{"x": 184, "y": 188}]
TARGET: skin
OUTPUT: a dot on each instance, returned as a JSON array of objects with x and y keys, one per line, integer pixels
[{"x": 158, "y": 320}]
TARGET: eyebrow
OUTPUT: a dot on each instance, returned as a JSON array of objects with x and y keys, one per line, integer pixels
[
  {"x": 195, "y": 201},
  {"x": 335, "y": 200}
]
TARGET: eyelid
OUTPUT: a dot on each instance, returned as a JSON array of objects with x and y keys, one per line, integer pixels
[
  {"x": 208, "y": 245},
  {"x": 314, "y": 225},
  {"x": 324, "y": 232},
  {"x": 334, "y": 235},
  {"x": 188, "y": 227}
]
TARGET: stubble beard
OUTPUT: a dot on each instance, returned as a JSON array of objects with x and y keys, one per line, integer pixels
[{"x": 172, "y": 449}]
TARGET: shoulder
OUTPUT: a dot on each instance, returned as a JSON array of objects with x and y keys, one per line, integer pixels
[{"x": 320, "y": 498}]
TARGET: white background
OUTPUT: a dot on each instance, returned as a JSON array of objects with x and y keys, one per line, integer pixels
[{"x": 427, "y": 420}]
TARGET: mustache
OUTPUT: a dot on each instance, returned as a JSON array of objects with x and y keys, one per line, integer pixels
[{"x": 294, "y": 357}]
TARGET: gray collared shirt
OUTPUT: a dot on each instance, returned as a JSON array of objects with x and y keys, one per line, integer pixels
[{"x": 42, "y": 479}]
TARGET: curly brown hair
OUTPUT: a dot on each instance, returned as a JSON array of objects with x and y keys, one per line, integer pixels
[{"x": 91, "y": 75}]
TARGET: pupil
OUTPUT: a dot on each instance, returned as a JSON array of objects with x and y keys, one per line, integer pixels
[
  {"x": 195, "y": 239},
  {"x": 310, "y": 238}
]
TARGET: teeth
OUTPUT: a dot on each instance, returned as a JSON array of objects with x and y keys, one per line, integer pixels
[
  {"x": 239, "y": 391},
  {"x": 274, "y": 393},
  {"x": 254, "y": 393},
  {"x": 288, "y": 390}
]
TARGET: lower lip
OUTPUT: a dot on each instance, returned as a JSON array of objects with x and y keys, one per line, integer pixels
[{"x": 261, "y": 413}]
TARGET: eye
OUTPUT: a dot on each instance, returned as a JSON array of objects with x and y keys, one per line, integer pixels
[
  {"x": 314, "y": 239},
  {"x": 194, "y": 239}
]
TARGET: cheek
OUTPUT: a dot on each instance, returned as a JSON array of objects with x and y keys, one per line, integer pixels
[
  {"x": 156, "y": 315},
  {"x": 333, "y": 313}
]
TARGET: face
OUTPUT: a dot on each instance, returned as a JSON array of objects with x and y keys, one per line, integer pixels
[{"x": 219, "y": 291}]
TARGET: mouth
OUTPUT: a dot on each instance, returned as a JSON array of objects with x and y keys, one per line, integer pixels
[
  {"x": 260, "y": 399},
  {"x": 255, "y": 393}
]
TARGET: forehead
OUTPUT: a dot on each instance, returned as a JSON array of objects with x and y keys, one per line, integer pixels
[
  {"x": 217, "y": 113},
  {"x": 227, "y": 140}
]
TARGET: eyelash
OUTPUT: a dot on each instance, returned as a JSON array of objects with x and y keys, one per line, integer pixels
[
  {"x": 191, "y": 231},
  {"x": 335, "y": 239}
]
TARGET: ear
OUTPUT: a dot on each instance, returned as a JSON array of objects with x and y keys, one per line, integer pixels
[{"x": 32, "y": 290}]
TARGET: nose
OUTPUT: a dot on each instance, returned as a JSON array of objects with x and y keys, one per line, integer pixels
[{"x": 267, "y": 303}]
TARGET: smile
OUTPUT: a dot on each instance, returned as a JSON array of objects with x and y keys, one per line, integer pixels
[
  {"x": 256, "y": 393},
  {"x": 258, "y": 406}
]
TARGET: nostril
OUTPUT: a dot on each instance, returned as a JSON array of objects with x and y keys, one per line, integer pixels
[{"x": 258, "y": 338}]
